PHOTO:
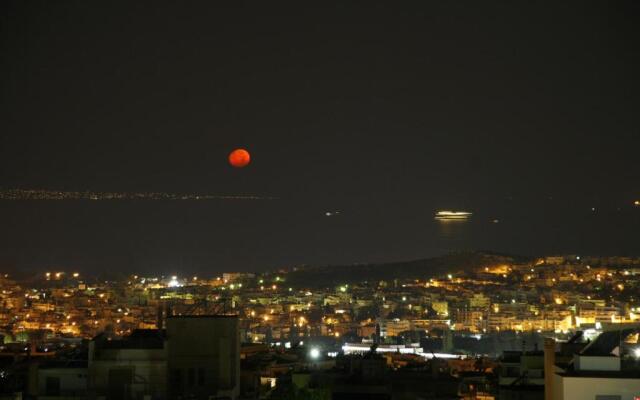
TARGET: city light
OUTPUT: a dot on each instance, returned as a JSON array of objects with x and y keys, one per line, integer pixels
[
  {"x": 314, "y": 353},
  {"x": 45, "y": 194},
  {"x": 489, "y": 305}
]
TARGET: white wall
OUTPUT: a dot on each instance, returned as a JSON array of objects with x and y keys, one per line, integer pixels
[
  {"x": 581, "y": 388},
  {"x": 72, "y": 380},
  {"x": 150, "y": 377},
  {"x": 592, "y": 363}
]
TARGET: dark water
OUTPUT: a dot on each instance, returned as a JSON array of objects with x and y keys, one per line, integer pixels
[{"x": 215, "y": 236}]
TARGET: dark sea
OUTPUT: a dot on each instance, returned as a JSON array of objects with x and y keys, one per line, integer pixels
[{"x": 209, "y": 237}]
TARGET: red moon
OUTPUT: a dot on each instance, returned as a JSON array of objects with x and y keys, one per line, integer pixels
[{"x": 239, "y": 158}]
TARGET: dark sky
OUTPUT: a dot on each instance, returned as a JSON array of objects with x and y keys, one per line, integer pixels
[{"x": 387, "y": 111}]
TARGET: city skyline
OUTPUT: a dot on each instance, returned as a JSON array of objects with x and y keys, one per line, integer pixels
[{"x": 494, "y": 326}]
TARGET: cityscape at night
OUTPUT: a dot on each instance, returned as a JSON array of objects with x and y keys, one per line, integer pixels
[
  {"x": 472, "y": 327},
  {"x": 410, "y": 200}
]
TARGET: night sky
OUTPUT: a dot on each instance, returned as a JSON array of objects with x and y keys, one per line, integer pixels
[{"x": 385, "y": 111}]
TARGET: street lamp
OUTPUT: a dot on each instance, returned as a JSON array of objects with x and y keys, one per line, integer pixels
[{"x": 314, "y": 353}]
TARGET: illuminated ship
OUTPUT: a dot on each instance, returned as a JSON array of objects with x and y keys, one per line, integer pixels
[{"x": 452, "y": 215}]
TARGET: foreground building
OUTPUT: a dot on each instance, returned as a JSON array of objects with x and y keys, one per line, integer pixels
[
  {"x": 196, "y": 357},
  {"x": 203, "y": 357},
  {"x": 130, "y": 368},
  {"x": 607, "y": 369}
]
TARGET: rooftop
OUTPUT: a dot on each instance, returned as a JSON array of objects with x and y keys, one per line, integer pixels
[{"x": 139, "y": 339}]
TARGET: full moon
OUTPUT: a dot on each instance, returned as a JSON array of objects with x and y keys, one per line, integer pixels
[{"x": 239, "y": 158}]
